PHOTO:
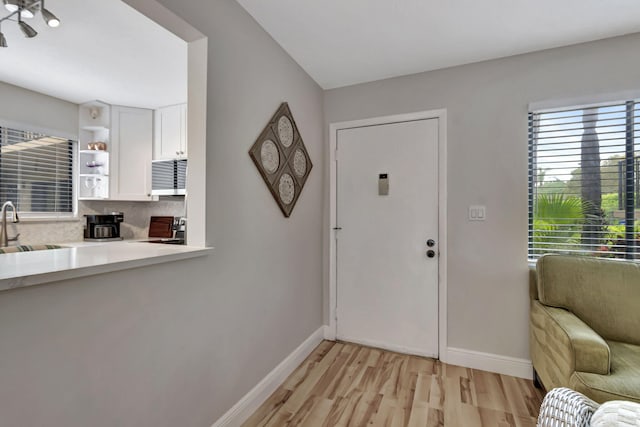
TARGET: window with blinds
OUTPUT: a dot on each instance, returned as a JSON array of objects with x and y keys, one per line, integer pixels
[
  {"x": 36, "y": 173},
  {"x": 584, "y": 181}
]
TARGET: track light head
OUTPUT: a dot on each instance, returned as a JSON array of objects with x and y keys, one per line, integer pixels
[
  {"x": 51, "y": 19},
  {"x": 11, "y": 5},
  {"x": 3, "y": 40},
  {"x": 29, "y": 9},
  {"x": 27, "y": 30},
  {"x": 26, "y": 14}
]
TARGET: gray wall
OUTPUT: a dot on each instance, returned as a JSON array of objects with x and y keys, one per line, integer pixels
[
  {"x": 178, "y": 344},
  {"x": 39, "y": 112},
  {"x": 487, "y": 164},
  {"x": 23, "y": 106}
]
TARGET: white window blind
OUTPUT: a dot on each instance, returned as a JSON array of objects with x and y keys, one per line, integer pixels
[
  {"x": 584, "y": 181},
  {"x": 36, "y": 172}
]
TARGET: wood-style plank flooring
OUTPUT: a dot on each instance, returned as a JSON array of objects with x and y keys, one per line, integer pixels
[{"x": 343, "y": 384}]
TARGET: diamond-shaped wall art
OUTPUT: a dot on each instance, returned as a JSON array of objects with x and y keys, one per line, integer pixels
[{"x": 282, "y": 159}]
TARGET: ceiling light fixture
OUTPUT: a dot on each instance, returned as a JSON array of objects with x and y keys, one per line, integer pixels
[
  {"x": 3, "y": 40},
  {"x": 27, "y": 9},
  {"x": 12, "y": 5},
  {"x": 51, "y": 19},
  {"x": 27, "y": 29},
  {"x": 26, "y": 14}
]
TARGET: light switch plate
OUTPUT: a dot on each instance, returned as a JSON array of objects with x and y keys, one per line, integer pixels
[
  {"x": 383, "y": 184},
  {"x": 477, "y": 213}
]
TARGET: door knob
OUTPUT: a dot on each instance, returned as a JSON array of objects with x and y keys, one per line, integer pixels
[
  {"x": 431, "y": 253},
  {"x": 431, "y": 243}
]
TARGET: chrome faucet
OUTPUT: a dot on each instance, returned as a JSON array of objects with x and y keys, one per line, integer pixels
[{"x": 4, "y": 237}]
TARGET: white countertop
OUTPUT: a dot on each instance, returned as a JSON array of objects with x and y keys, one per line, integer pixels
[{"x": 23, "y": 269}]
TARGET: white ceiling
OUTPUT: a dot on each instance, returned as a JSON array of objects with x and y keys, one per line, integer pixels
[
  {"x": 344, "y": 42},
  {"x": 102, "y": 50}
]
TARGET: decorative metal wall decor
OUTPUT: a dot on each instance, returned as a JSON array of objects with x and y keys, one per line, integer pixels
[{"x": 282, "y": 159}]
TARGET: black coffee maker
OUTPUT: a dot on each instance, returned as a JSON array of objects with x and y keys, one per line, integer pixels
[{"x": 103, "y": 227}]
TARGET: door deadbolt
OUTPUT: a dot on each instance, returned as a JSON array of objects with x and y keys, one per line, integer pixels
[
  {"x": 431, "y": 243},
  {"x": 431, "y": 253}
]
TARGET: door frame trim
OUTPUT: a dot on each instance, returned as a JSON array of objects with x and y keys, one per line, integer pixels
[{"x": 441, "y": 115}]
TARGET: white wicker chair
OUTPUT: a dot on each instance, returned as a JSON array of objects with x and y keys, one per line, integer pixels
[{"x": 563, "y": 407}]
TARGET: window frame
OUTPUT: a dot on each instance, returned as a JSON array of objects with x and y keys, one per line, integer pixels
[
  {"x": 30, "y": 216},
  {"x": 630, "y": 190}
]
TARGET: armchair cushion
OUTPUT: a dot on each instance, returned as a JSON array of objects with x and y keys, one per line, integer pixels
[
  {"x": 622, "y": 384},
  {"x": 603, "y": 293}
]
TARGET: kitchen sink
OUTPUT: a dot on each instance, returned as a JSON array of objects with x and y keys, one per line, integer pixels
[{"x": 28, "y": 248}]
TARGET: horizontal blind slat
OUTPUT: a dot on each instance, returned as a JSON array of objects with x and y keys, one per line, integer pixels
[
  {"x": 36, "y": 171},
  {"x": 559, "y": 166}
]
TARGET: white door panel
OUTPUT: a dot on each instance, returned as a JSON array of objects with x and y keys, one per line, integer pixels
[
  {"x": 387, "y": 287},
  {"x": 132, "y": 145}
]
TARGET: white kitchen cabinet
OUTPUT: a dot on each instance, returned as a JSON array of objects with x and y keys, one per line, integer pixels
[
  {"x": 170, "y": 140},
  {"x": 93, "y": 164},
  {"x": 131, "y": 153}
]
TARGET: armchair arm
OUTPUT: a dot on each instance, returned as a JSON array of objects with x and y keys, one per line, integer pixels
[{"x": 582, "y": 346}]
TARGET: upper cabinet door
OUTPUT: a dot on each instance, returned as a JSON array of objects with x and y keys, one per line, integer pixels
[
  {"x": 131, "y": 141},
  {"x": 171, "y": 132}
]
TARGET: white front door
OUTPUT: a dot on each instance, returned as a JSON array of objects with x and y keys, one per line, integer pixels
[{"x": 387, "y": 282}]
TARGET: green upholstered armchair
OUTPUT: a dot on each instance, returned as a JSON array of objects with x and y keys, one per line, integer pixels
[{"x": 585, "y": 326}]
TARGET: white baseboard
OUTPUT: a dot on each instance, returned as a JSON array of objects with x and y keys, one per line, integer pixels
[
  {"x": 251, "y": 401},
  {"x": 390, "y": 347},
  {"x": 521, "y": 368},
  {"x": 328, "y": 333},
  {"x": 513, "y": 366}
]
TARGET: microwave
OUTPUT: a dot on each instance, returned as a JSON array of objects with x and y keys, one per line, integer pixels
[{"x": 169, "y": 177}]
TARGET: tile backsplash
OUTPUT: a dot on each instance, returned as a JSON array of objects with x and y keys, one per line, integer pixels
[{"x": 135, "y": 225}]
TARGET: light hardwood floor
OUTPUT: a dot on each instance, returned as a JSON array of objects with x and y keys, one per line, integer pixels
[{"x": 343, "y": 384}]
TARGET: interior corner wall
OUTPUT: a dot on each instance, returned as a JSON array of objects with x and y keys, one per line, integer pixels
[
  {"x": 487, "y": 105},
  {"x": 266, "y": 270},
  {"x": 179, "y": 343},
  {"x": 23, "y": 106}
]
